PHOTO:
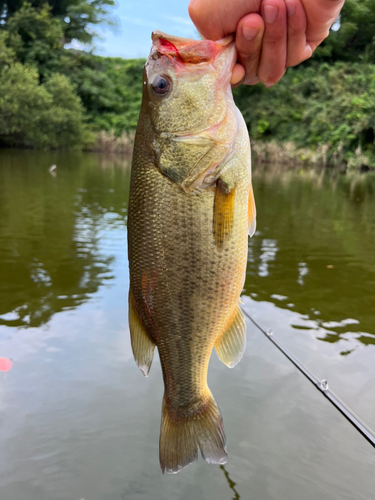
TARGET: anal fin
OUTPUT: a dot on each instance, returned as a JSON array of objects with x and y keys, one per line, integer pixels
[
  {"x": 231, "y": 345},
  {"x": 142, "y": 345}
]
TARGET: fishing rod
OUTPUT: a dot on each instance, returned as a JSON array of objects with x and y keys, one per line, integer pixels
[{"x": 321, "y": 385}]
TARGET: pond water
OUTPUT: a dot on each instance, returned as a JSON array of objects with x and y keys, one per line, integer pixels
[{"x": 77, "y": 418}]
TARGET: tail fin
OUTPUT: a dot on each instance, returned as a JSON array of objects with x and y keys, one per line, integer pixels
[{"x": 180, "y": 436}]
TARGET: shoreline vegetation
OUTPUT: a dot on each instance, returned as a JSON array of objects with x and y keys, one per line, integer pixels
[
  {"x": 321, "y": 113},
  {"x": 263, "y": 152},
  {"x": 109, "y": 142}
]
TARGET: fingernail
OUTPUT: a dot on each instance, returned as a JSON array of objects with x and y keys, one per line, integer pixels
[
  {"x": 270, "y": 13},
  {"x": 249, "y": 33},
  {"x": 291, "y": 7},
  {"x": 269, "y": 85}
]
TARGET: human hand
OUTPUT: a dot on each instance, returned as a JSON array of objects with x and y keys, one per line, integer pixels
[{"x": 271, "y": 35}]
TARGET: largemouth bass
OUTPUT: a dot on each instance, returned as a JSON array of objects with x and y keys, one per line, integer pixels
[{"x": 190, "y": 212}]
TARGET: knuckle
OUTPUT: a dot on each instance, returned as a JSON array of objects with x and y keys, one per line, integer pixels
[
  {"x": 275, "y": 39},
  {"x": 295, "y": 31},
  {"x": 248, "y": 57},
  {"x": 248, "y": 51},
  {"x": 252, "y": 70},
  {"x": 275, "y": 47},
  {"x": 325, "y": 35},
  {"x": 196, "y": 11},
  {"x": 252, "y": 80}
]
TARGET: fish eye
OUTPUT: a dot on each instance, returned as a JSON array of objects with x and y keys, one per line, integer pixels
[{"x": 161, "y": 85}]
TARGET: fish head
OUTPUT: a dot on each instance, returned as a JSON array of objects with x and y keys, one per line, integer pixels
[
  {"x": 186, "y": 82},
  {"x": 189, "y": 105}
]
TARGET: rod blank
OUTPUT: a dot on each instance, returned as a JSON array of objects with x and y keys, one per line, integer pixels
[{"x": 321, "y": 385}]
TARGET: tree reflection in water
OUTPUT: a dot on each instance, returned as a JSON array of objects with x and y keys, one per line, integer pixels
[
  {"x": 313, "y": 252},
  {"x": 314, "y": 249},
  {"x": 231, "y": 483},
  {"x": 50, "y": 228}
]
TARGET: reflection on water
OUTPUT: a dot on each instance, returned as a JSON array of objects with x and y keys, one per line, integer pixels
[
  {"x": 78, "y": 421},
  {"x": 314, "y": 249},
  {"x": 50, "y": 230},
  {"x": 231, "y": 483}
]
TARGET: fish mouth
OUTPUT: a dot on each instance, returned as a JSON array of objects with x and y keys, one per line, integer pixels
[
  {"x": 186, "y": 48},
  {"x": 177, "y": 40},
  {"x": 186, "y": 51}
]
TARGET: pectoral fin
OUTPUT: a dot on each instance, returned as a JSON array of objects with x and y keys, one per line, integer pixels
[
  {"x": 252, "y": 212},
  {"x": 223, "y": 212},
  {"x": 231, "y": 345},
  {"x": 142, "y": 345}
]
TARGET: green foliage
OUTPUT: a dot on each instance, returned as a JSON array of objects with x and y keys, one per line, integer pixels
[
  {"x": 355, "y": 40},
  {"x": 110, "y": 89},
  {"x": 64, "y": 120},
  {"x": 74, "y": 16},
  {"x": 36, "y": 37},
  {"x": 7, "y": 55},
  {"x": 34, "y": 115},
  {"x": 330, "y": 106},
  {"x": 326, "y": 105},
  {"x": 77, "y": 15}
]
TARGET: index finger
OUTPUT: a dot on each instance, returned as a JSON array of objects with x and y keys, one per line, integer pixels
[
  {"x": 249, "y": 45},
  {"x": 273, "y": 59}
]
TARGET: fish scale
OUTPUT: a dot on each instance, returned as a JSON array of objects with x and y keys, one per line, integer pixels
[{"x": 188, "y": 245}]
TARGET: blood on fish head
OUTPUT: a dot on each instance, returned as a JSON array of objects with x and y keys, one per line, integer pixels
[
  {"x": 186, "y": 53},
  {"x": 187, "y": 82},
  {"x": 183, "y": 50}
]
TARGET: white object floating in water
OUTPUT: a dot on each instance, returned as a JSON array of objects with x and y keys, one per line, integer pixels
[{"x": 52, "y": 170}]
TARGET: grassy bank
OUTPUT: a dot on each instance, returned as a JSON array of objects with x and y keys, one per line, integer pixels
[
  {"x": 288, "y": 153},
  {"x": 263, "y": 152},
  {"x": 109, "y": 142}
]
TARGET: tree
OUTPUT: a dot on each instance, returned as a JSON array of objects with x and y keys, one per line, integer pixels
[
  {"x": 329, "y": 105},
  {"x": 7, "y": 55},
  {"x": 110, "y": 89},
  {"x": 36, "y": 37},
  {"x": 355, "y": 38},
  {"x": 77, "y": 17},
  {"x": 42, "y": 116}
]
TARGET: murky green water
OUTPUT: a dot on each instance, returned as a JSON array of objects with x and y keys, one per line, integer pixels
[{"x": 77, "y": 418}]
